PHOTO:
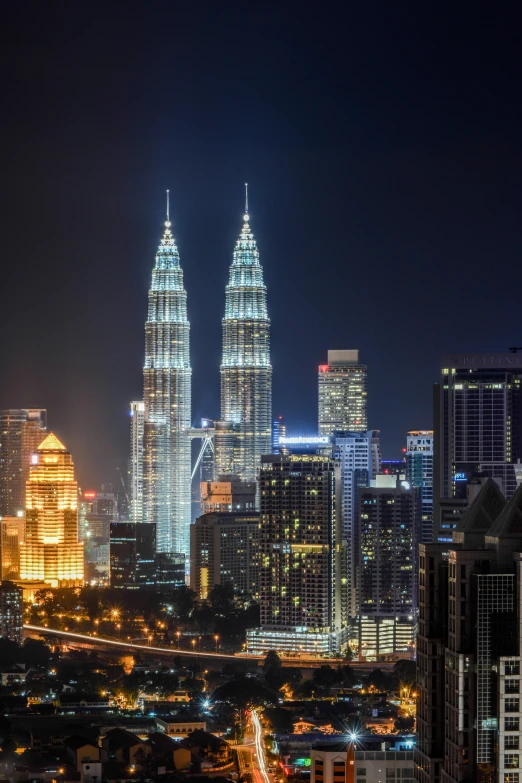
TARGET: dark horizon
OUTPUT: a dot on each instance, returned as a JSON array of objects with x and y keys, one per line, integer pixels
[{"x": 382, "y": 151}]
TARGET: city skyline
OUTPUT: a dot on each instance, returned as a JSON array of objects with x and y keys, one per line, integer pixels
[{"x": 378, "y": 190}]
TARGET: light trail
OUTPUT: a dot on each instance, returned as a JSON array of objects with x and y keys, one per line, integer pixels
[
  {"x": 258, "y": 739},
  {"x": 301, "y": 663}
]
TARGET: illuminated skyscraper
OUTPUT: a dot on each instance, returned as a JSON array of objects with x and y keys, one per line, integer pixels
[
  {"x": 342, "y": 393},
  {"x": 419, "y": 473},
  {"x": 278, "y": 431},
  {"x": 246, "y": 372},
  {"x": 11, "y": 537},
  {"x": 51, "y": 551},
  {"x": 21, "y": 432},
  {"x": 167, "y": 399},
  {"x": 137, "y": 412}
]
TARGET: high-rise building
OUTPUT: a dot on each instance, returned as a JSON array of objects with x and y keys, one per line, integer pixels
[
  {"x": 11, "y": 611},
  {"x": 299, "y": 584},
  {"x": 246, "y": 372},
  {"x": 358, "y": 456},
  {"x": 145, "y": 575},
  {"x": 123, "y": 554},
  {"x": 21, "y": 432},
  {"x": 224, "y": 549},
  {"x": 386, "y": 589},
  {"x": 419, "y": 473},
  {"x": 469, "y": 647},
  {"x": 477, "y": 423},
  {"x": 96, "y": 512},
  {"x": 137, "y": 412},
  {"x": 167, "y": 402},
  {"x": 278, "y": 431},
  {"x": 228, "y": 493},
  {"x": 170, "y": 570},
  {"x": 51, "y": 551},
  {"x": 11, "y": 537},
  {"x": 342, "y": 393}
]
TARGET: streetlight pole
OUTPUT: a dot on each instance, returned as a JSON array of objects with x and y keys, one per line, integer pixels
[{"x": 216, "y": 637}]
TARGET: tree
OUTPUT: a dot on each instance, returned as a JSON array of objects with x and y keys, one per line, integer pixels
[
  {"x": 272, "y": 661},
  {"x": 280, "y": 720},
  {"x": 222, "y": 599},
  {"x": 183, "y": 602},
  {"x": 91, "y": 599},
  {"x": 404, "y": 724},
  {"x": 380, "y": 680},
  {"x": 204, "y": 617},
  {"x": 350, "y": 678},
  {"x": 405, "y": 673},
  {"x": 326, "y": 677},
  {"x": 243, "y": 693},
  {"x": 35, "y": 653}
]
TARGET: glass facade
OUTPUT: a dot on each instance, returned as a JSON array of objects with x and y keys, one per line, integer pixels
[
  {"x": 137, "y": 413},
  {"x": 246, "y": 372},
  {"x": 21, "y": 432},
  {"x": 167, "y": 403},
  {"x": 342, "y": 393},
  {"x": 419, "y": 473}
]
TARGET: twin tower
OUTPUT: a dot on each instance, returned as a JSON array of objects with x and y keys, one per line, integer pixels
[{"x": 246, "y": 384}]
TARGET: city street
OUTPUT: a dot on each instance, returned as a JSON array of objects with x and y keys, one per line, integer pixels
[{"x": 251, "y": 754}]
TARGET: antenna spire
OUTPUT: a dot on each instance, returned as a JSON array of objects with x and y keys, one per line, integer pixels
[
  {"x": 246, "y": 198},
  {"x": 168, "y": 205}
]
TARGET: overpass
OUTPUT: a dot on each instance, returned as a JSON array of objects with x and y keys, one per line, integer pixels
[{"x": 95, "y": 642}]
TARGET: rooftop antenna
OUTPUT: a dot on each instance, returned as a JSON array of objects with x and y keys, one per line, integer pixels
[
  {"x": 246, "y": 198},
  {"x": 168, "y": 205}
]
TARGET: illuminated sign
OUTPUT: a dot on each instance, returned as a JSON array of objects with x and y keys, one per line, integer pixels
[
  {"x": 323, "y": 368},
  {"x": 89, "y": 495},
  {"x": 319, "y": 440},
  {"x": 460, "y": 477}
]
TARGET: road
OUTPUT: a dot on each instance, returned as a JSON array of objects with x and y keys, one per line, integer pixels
[
  {"x": 251, "y": 754},
  {"x": 85, "y": 640}
]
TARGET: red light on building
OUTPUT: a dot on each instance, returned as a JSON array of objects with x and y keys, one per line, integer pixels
[
  {"x": 89, "y": 495},
  {"x": 404, "y": 451},
  {"x": 323, "y": 368}
]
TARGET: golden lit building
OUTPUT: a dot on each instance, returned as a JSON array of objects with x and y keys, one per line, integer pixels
[
  {"x": 11, "y": 537},
  {"x": 51, "y": 551}
]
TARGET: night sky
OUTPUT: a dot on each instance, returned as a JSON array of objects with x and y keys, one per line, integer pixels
[{"x": 381, "y": 142}]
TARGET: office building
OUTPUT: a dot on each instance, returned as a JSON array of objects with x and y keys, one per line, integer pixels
[
  {"x": 11, "y": 611},
  {"x": 228, "y": 493},
  {"x": 96, "y": 512},
  {"x": 21, "y": 432},
  {"x": 224, "y": 549},
  {"x": 137, "y": 413},
  {"x": 11, "y": 537},
  {"x": 386, "y": 590},
  {"x": 299, "y": 585},
  {"x": 51, "y": 551},
  {"x": 342, "y": 393},
  {"x": 246, "y": 372},
  {"x": 394, "y": 467},
  {"x": 419, "y": 474},
  {"x": 358, "y": 456},
  {"x": 477, "y": 423},
  {"x": 145, "y": 575},
  {"x": 170, "y": 570},
  {"x": 278, "y": 431},
  {"x": 469, "y": 646},
  {"x": 167, "y": 403},
  {"x": 123, "y": 554}
]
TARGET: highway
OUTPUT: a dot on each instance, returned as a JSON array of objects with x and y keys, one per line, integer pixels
[
  {"x": 83, "y": 639},
  {"x": 251, "y": 754},
  {"x": 260, "y": 750}
]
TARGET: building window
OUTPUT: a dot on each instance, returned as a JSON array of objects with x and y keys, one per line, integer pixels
[
  {"x": 512, "y": 686},
  {"x": 511, "y": 724},
  {"x": 511, "y": 777},
  {"x": 512, "y": 667},
  {"x": 511, "y": 760},
  {"x": 360, "y": 771},
  {"x": 511, "y": 741},
  {"x": 511, "y": 704}
]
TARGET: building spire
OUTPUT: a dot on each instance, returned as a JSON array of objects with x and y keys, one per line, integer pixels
[
  {"x": 245, "y": 216},
  {"x": 168, "y": 206}
]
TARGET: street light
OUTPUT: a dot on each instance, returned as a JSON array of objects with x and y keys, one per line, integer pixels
[
  {"x": 178, "y": 634},
  {"x": 216, "y": 637},
  {"x": 193, "y": 642}
]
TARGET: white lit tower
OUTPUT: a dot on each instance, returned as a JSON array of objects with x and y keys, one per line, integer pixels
[
  {"x": 246, "y": 372},
  {"x": 167, "y": 401}
]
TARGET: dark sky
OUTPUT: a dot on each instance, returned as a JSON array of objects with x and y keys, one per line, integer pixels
[{"x": 381, "y": 142}]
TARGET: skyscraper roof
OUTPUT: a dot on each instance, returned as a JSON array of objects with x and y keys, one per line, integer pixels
[{"x": 51, "y": 443}]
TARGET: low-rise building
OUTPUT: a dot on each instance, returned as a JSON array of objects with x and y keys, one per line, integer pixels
[
  {"x": 340, "y": 762},
  {"x": 79, "y": 750},
  {"x": 179, "y": 727}
]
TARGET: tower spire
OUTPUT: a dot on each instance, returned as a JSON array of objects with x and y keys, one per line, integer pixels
[
  {"x": 246, "y": 200},
  {"x": 168, "y": 205}
]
